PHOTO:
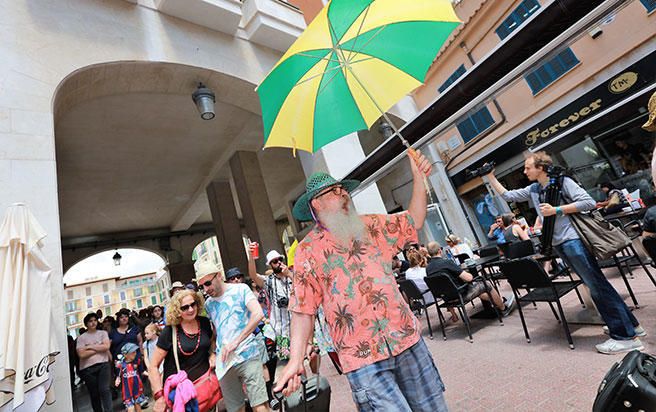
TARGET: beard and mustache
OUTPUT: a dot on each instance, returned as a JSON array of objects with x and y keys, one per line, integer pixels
[{"x": 344, "y": 224}]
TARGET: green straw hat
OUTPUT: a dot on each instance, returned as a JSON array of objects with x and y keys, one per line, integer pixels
[{"x": 315, "y": 184}]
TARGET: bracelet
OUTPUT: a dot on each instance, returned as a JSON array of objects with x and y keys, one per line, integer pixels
[
  {"x": 559, "y": 211},
  {"x": 158, "y": 394}
]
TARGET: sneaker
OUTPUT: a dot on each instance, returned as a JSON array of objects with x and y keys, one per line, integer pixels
[
  {"x": 510, "y": 305},
  {"x": 639, "y": 331},
  {"x": 612, "y": 346}
]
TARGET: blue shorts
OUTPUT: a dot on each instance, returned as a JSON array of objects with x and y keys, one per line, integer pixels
[{"x": 407, "y": 382}]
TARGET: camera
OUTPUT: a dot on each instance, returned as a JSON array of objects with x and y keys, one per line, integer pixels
[
  {"x": 282, "y": 302},
  {"x": 483, "y": 170},
  {"x": 555, "y": 171}
]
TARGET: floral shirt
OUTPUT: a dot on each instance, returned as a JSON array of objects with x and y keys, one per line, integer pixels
[{"x": 369, "y": 320}]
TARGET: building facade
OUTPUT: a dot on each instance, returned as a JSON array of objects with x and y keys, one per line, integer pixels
[
  {"x": 582, "y": 101},
  {"x": 111, "y": 294}
]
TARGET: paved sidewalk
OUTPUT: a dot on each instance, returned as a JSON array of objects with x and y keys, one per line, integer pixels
[{"x": 501, "y": 371}]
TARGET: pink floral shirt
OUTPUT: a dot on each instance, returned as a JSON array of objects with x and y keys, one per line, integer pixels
[{"x": 368, "y": 318}]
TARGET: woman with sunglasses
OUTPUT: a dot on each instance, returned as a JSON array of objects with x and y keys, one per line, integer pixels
[{"x": 195, "y": 343}]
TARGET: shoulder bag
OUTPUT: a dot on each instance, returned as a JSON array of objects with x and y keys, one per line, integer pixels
[
  {"x": 600, "y": 236},
  {"x": 208, "y": 391}
]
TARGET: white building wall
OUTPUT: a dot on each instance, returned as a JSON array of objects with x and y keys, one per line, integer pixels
[{"x": 45, "y": 41}]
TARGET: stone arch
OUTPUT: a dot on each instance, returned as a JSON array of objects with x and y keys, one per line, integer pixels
[{"x": 84, "y": 254}]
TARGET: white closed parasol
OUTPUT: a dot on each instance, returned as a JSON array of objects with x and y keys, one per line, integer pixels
[{"x": 27, "y": 346}]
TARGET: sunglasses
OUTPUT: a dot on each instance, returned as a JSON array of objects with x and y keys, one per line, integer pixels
[
  {"x": 207, "y": 283},
  {"x": 336, "y": 190},
  {"x": 276, "y": 261},
  {"x": 185, "y": 308}
]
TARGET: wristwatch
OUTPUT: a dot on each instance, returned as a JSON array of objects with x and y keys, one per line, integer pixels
[{"x": 158, "y": 394}]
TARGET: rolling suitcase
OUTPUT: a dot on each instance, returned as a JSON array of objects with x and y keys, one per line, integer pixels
[
  {"x": 314, "y": 396},
  {"x": 630, "y": 385}
]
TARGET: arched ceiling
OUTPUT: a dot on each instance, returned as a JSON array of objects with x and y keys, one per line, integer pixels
[{"x": 133, "y": 153}]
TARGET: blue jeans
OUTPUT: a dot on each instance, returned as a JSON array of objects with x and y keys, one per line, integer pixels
[
  {"x": 611, "y": 306},
  {"x": 408, "y": 382}
]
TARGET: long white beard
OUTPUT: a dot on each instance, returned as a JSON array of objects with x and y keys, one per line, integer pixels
[{"x": 344, "y": 226}]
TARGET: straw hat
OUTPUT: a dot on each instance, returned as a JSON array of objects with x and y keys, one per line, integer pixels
[
  {"x": 315, "y": 184},
  {"x": 650, "y": 126},
  {"x": 205, "y": 268}
]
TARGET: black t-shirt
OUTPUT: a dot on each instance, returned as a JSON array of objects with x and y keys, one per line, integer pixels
[
  {"x": 196, "y": 364},
  {"x": 447, "y": 266},
  {"x": 649, "y": 221}
]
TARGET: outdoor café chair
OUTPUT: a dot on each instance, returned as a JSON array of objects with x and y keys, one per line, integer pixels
[
  {"x": 462, "y": 257},
  {"x": 410, "y": 289},
  {"x": 445, "y": 289},
  {"x": 528, "y": 274}
]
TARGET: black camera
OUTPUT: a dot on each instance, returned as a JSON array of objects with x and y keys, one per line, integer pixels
[
  {"x": 555, "y": 171},
  {"x": 282, "y": 302},
  {"x": 483, "y": 170}
]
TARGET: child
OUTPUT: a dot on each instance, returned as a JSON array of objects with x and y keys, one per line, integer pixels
[
  {"x": 152, "y": 334},
  {"x": 128, "y": 377}
]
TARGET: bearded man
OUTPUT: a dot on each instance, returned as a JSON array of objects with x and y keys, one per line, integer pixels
[{"x": 345, "y": 264}]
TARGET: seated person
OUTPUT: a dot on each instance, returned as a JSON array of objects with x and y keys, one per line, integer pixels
[
  {"x": 475, "y": 288},
  {"x": 649, "y": 222},
  {"x": 615, "y": 200},
  {"x": 458, "y": 247},
  {"x": 399, "y": 266},
  {"x": 512, "y": 231},
  {"x": 417, "y": 273},
  {"x": 496, "y": 231}
]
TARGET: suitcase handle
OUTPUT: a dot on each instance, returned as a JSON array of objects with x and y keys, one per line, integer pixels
[
  {"x": 648, "y": 371},
  {"x": 278, "y": 397}
]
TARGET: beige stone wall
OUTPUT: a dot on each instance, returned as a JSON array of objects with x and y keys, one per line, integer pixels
[{"x": 43, "y": 42}]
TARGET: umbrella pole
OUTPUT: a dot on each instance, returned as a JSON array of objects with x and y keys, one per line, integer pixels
[{"x": 412, "y": 152}]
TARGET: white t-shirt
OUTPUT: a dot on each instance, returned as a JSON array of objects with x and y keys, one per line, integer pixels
[{"x": 417, "y": 275}]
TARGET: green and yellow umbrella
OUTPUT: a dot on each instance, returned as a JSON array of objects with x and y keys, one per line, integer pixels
[{"x": 353, "y": 62}]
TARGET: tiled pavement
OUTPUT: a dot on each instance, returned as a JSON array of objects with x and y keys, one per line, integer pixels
[{"x": 501, "y": 371}]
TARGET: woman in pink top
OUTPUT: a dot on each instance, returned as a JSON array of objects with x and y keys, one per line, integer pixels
[{"x": 93, "y": 350}]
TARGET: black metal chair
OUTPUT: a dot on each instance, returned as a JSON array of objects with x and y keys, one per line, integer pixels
[
  {"x": 488, "y": 251},
  {"x": 519, "y": 249},
  {"x": 528, "y": 274},
  {"x": 452, "y": 296},
  {"x": 462, "y": 257},
  {"x": 410, "y": 289},
  {"x": 623, "y": 260}
]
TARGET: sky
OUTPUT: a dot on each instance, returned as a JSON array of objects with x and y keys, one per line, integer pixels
[{"x": 101, "y": 265}]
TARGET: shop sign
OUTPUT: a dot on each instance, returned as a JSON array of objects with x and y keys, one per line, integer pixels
[{"x": 623, "y": 82}]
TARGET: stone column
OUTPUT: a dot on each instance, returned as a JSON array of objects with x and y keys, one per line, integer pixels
[
  {"x": 339, "y": 158},
  {"x": 259, "y": 223},
  {"x": 447, "y": 197},
  {"x": 226, "y": 225}
]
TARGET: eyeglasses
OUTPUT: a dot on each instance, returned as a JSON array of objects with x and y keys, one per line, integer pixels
[
  {"x": 336, "y": 190},
  {"x": 412, "y": 247},
  {"x": 207, "y": 283},
  {"x": 185, "y": 308},
  {"x": 276, "y": 261}
]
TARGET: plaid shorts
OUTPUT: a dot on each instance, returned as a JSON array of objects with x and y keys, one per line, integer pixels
[
  {"x": 475, "y": 289},
  {"x": 406, "y": 382}
]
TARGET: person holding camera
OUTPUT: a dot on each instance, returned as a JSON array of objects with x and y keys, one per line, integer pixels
[
  {"x": 623, "y": 328},
  {"x": 277, "y": 285}
]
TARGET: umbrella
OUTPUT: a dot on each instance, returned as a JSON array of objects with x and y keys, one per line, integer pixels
[
  {"x": 26, "y": 339},
  {"x": 353, "y": 62}
]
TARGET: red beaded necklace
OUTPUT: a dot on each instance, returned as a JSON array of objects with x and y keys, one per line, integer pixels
[{"x": 190, "y": 336}]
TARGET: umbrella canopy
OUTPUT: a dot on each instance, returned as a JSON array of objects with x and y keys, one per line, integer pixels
[
  {"x": 353, "y": 62},
  {"x": 26, "y": 338}
]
